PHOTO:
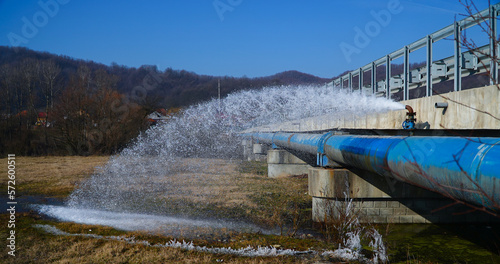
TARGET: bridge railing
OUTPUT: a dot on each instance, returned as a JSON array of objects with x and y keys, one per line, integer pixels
[{"x": 461, "y": 64}]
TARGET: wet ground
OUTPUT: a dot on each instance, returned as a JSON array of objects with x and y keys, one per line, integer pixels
[
  {"x": 424, "y": 243},
  {"x": 25, "y": 202},
  {"x": 445, "y": 243},
  {"x": 420, "y": 242}
]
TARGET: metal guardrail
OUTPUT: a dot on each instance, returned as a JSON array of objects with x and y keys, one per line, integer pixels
[{"x": 452, "y": 68}]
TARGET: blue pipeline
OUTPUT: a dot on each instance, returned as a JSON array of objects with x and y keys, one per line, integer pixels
[{"x": 467, "y": 169}]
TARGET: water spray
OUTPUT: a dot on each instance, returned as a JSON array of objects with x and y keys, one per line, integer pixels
[{"x": 163, "y": 180}]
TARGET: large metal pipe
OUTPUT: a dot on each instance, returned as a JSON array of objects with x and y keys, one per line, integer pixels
[{"x": 463, "y": 168}]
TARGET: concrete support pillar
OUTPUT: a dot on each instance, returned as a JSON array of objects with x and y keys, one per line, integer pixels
[
  {"x": 339, "y": 192},
  {"x": 247, "y": 149},
  {"x": 254, "y": 152},
  {"x": 260, "y": 152},
  {"x": 281, "y": 163}
]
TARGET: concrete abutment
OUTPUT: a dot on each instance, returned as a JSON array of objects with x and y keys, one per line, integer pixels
[
  {"x": 253, "y": 151},
  {"x": 337, "y": 192},
  {"x": 281, "y": 163},
  {"x": 373, "y": 198}
]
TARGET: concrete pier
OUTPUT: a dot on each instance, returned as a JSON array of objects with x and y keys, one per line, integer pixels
[
  {"x": 254, "y": 152},
  {"x": 339, "y": 191},
  {"x": 281, "y": 163},
  {"x": 372, "y": 198}
]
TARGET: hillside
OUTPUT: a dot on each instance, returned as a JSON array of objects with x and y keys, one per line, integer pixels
[
  {"x": 173, "y": 88},
  {"x": 54, "y": 104}
]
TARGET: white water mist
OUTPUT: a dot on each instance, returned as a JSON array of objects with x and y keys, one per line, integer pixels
[
  {"x": 143, "y": 187},
  {"x": 135, "y": 180}
]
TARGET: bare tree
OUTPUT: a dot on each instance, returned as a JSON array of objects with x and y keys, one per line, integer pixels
[
  {"x": 29, "y": 73},
  {"x": 93, "y": 117},
  {"x": 49, "y": 73},
  {"x": 6, "y": 93},
  {"x": 85, "y": 75},
  {"x": 485, "y": 23},
  {"x": 7, "y": 100},
  {"x": 71, "y": 113},
  {"x": 114, "y": 118}
]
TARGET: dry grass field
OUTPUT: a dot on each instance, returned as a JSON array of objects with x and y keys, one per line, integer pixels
[
  {"x": 243, "y": 191},
  {"x": 234, "y": 190},
  {"x": 51, "y": 176}
]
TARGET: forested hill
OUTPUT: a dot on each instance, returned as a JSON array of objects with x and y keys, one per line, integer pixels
[
  {"x": 171, "y": 88},
  {"x": 57, "y": 105}
]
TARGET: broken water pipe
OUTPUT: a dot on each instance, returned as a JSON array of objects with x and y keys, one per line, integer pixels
[{"x": 409, "y": 123}]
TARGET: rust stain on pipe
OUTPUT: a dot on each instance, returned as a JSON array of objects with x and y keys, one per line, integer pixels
[{"x": 290, "y": 138}]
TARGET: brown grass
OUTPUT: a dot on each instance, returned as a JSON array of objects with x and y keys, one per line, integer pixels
[
  {"x": 35, "y": 246},
  {"x": 51, "y": 176},
  {"x": 255, "y": 196},
  {"x": 236, "y": 190}
]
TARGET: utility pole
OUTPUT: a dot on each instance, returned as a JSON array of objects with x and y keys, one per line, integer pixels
[{"x": 218, "y": 92}]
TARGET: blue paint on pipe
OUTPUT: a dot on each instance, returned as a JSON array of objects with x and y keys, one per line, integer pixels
[
  {"x": 467, "y": 169},
  {"x": 463, "y": 168}
]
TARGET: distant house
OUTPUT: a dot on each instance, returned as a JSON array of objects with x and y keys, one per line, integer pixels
[
  {"x": 41, "y": 120},
  {"x": 160, "y": 115},
  {"x": 23, "y": 113}
]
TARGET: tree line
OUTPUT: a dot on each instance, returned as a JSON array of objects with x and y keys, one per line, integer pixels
[
  {"x": 41, "y": 115},
  {"x": 57, "y": 105}
]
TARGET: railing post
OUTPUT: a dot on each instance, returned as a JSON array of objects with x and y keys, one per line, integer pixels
[
  {"x": 388, "y": 76},
  {"x": 374, "y": 78},
  {"x": 493, "y": 46},
  {"x": 360, "y": 81},
  {"x": 349, "y": 82},
  {"x": 406, "y": 68},
  {"x": 428, "y": 91},
  {"x": 458, "y": 58}
]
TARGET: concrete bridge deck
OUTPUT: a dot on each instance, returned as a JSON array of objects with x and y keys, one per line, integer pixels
[
  {"x": 477, "y": 108},
  {"x": 382, "y": 199}
]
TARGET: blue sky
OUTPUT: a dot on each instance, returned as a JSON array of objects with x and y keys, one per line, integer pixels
[{"x": 225, "y": 37}]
